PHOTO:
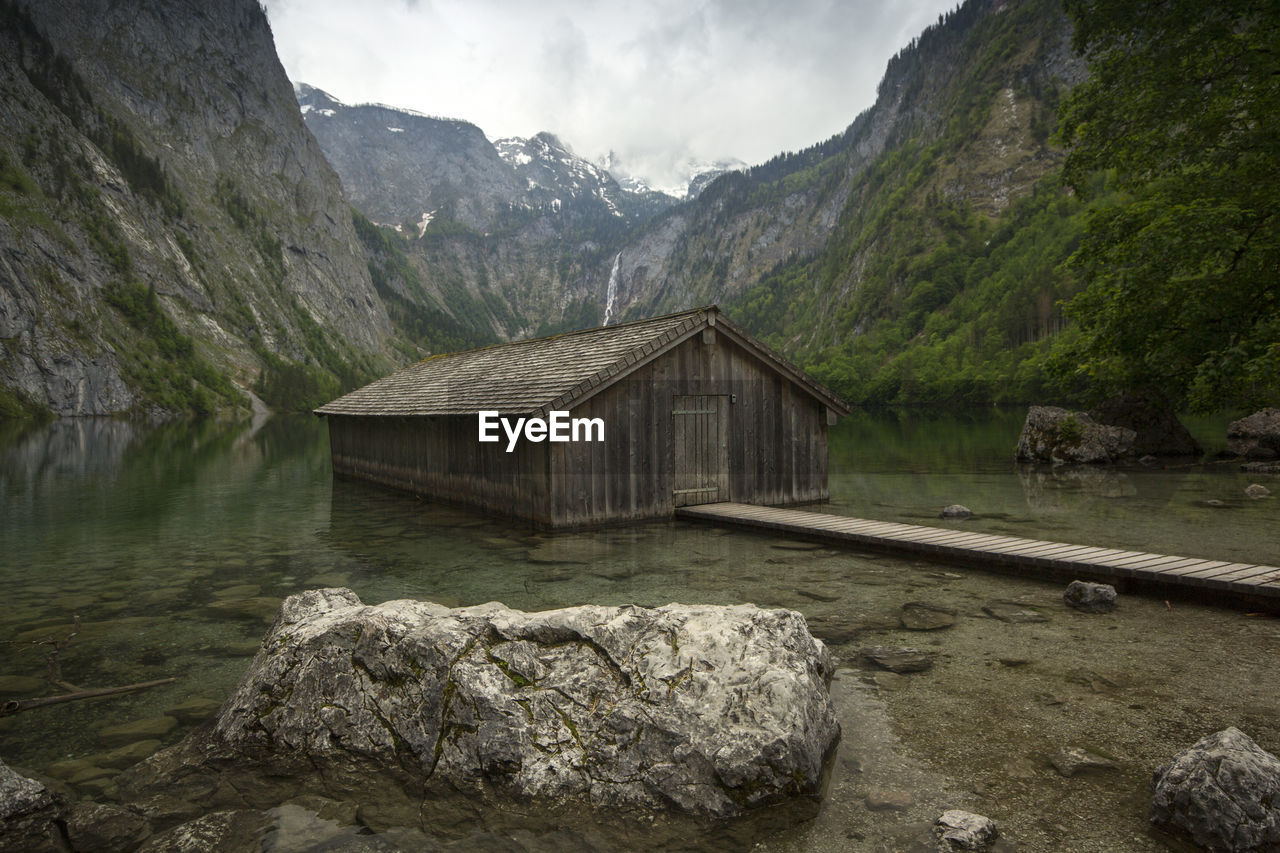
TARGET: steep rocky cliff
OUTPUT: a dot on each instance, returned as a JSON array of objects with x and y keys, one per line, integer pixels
[
  {"x": 962, "y": 116},
  {"x": 167, "y": 223}
]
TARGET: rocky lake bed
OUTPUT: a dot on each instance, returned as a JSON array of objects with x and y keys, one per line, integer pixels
[{"x": 1007, "y": 702}]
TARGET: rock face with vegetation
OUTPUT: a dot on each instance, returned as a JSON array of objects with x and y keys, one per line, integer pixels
[
  {"x": 169, "y": 230},
  {"x": 711, "y": 711},
  {"x": 1053, "y": 434},
  {"x": 1223, "y": 792}
]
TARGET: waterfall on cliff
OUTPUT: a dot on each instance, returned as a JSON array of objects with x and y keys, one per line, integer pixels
[{"x": 611, "y": 296}]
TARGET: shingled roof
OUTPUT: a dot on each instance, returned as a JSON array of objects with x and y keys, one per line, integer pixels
[{"x": 539, "y": 375}]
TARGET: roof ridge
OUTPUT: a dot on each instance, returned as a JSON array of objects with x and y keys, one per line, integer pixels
[{"x": 559, "y": 335}]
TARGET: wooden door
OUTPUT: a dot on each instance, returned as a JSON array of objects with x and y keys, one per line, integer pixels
[{"x": 700, "y": 433}]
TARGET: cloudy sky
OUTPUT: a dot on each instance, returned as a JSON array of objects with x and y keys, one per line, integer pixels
[{"x": 657, "y": 81}]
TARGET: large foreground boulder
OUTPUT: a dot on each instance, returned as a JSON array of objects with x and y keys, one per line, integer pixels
[
  {"x": 701, "y": 710},
  {"x": 1256, "y": 436},
  {"x": 1053, "y": 434},
  {"x": 1224, "y": 792}
]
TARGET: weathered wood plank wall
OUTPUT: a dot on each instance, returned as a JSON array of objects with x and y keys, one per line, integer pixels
[{"x": 776, "y": 451}]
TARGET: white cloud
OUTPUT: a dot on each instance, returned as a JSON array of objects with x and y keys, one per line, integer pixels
[{"x": 657, "y": 81}]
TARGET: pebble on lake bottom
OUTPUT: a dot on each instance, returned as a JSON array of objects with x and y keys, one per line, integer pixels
[{"x": 889, "y": 800}]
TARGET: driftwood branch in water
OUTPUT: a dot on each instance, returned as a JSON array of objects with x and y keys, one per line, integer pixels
[{"x": 13, "y": 706}]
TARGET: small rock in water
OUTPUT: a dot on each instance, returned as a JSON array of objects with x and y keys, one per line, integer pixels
[
  {"x": 1214, "y": 503},
  {"x": 1072, "y": 760},
  {"x": 965, "y": 830},
  {"x": 68, "y": 767},
  {"x": 1090, "y": 597},
  {"x": 88, "y": 774},
  {"x": 955, "y": 511},
  {"x": 889, "y": 800},
  {"x": 195, "y": 710},
  {"x": 1013, "y": 612},
  {"x": 1224, "y": 792},
  {"x": 899, "y": 658},
  {"x": 1257, "y": 490},
  {"x": 145, "y": 729},
  {"x": 126, "y": 755},
  {"x": 923, "y": 616},
  {"x": 817, "y": 596}
]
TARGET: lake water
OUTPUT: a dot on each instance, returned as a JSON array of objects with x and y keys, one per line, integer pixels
[{"x": 174, "y": 546}]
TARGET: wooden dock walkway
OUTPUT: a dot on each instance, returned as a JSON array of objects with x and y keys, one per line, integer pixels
[{"x": 1257, "y": 583}]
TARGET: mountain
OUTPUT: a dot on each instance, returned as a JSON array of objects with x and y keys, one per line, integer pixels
[
  {"x": 403, "y": 169},
  {"x": 895, "y": 259},
  {"x": 470, "y": 240},
  {"x": 174, "y": 229},
  {"x": 170, "y": 233}
]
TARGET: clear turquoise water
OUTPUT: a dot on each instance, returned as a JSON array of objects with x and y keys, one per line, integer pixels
[{"x": 173, "y": 546}]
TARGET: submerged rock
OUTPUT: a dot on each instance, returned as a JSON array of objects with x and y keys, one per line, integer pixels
[
  {"x": 239, "y": 831},
  {"x": 1053, "y": 434},
  {"x": 1224, "y": 792},
  {"x": 149, "y": 728},
  {"x": 1014, "y": 612},
  {"x": 195, "y": 710},
  {"x": 102, "y": 828},
  {"x": 29, "y": 814},
  {"x": 923, "y": 616},
  {"x": 899, "y": 658},
  {"x": 1256, "y": 436},
  {"x": 1090, "y": 597},
  {"x": 1257, "y": 490},
  {"x": 955, "y": 511},
  {"x": 1072, "y": 760},
  {"x": 711, "y": 710},
  {"x": 886, "y": 799}
]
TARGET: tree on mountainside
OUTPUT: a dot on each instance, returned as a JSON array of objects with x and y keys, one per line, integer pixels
[{"x": 1182, "y": 108}]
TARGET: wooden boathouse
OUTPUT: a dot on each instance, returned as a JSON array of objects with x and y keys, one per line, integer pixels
[{"x": 693, "y": 410}]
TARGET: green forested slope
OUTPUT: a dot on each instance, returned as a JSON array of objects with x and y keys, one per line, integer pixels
[{"x": 930, "y": 289}]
